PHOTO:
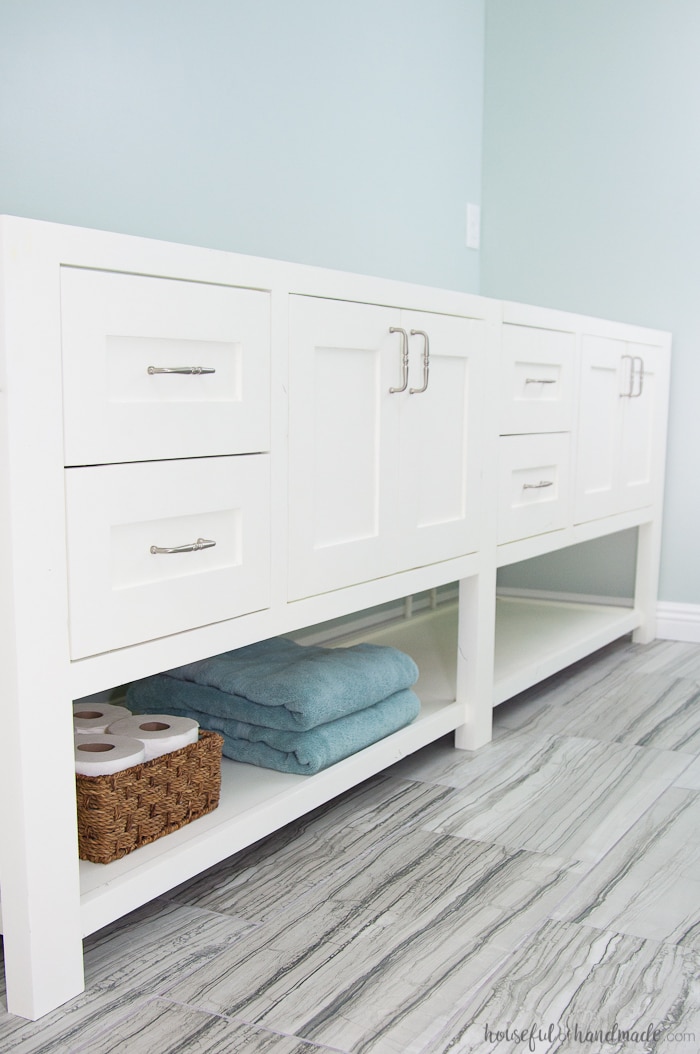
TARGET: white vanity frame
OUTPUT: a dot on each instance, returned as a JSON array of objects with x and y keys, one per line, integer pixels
[{"x": 50, "y": 900}]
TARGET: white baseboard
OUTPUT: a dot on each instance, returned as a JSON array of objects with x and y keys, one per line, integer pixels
[{"x": 678, "y": 622}]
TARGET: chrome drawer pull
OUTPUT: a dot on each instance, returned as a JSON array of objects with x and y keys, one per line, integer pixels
[
  {"x": 191, "y": 370},
  {"x": 540, "y": 380},
  {"x": 538, "y": 486},
  {"x": 426, "y": 361},
  {"x": 193, "y": 547}
]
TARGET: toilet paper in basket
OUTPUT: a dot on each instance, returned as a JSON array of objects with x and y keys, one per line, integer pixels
[
  {"x": 159, "y": 733},
  {"x": 97, "y": 718},
  {"x": 103, "y": 755}
]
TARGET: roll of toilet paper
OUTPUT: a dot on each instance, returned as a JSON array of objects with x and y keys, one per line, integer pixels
[
  {"x": 159, "y": 733},
  {"x": 88, "y": 718},
  {"x": 103, "y": 755}
]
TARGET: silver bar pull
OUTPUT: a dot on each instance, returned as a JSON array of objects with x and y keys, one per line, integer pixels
[
  {"x": 538, "y": 486},
  {"x": 193, "y": 547},
  {"x": 540, "y": 380},
  {"x": 638, "y": 375},
  {"x": 190, "y": 370},
  {"x": 426, "y": 361},
  {"x": 404, "y": 359}
]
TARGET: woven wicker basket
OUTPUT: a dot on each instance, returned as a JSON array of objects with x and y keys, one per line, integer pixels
[{"x": 119, "y": 813}]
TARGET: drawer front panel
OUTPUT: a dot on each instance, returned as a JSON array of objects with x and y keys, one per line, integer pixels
[
  {"x": 533, "y": 485},
  {"x": 121, "y": 334},
  {"x": 537, "y": 369},
  {"x": 121, "y": 591}
]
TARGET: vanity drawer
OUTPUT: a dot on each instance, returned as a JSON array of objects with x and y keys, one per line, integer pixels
[
  {"x": 119, "y": 331},
  {"x": 121, "y": 591},
  {"x": 533, "y": 485},
  {"x": 537, "y": 371}
]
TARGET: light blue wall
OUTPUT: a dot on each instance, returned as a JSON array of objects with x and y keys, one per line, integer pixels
[
  {"x": 342, "y": 134},
  {"x": 592, "y": 194}
]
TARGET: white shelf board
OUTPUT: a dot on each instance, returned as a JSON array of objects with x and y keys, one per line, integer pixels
[
  {"x": 255, "y": 801},
  {"x": 537, "y": 638}
]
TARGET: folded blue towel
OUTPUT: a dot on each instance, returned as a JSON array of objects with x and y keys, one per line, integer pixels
[
  {"x": 309, "y": 751},
  {"x": 280, "y": 684}
]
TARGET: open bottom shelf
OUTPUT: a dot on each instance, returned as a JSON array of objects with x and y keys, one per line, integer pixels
[
  {"x": 533, "y": 640},
  {"x": 537, "y": 638},
  {"x": 255, "y": 801}
]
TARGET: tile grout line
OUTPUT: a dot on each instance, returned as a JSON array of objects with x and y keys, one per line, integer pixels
[
  {"x": 238, "y": 1020},
  {"x": 444, "y": 1030}
]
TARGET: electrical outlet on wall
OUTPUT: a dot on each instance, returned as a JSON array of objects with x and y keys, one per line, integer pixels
[{"x": 473, "y": 231}]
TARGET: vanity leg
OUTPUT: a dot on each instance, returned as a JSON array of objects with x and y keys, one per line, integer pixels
[
  {"x": 475, "y": 653},
  {"x": 42, "y": 934},
  {"x": 647, "y": 580}
]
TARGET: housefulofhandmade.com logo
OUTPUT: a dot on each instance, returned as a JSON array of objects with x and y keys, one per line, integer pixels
[{"x": 530, "y": 1036}]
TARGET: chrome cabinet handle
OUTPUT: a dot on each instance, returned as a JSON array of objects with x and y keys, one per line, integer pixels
[
  {"x": 404, "y": 359},
  {"x": 193, "y": 547},
  {"x": 426, "y": 361},
  {"x": 636, "y": 377},
  {"x": 639, "y": 375},
  {"x": 540, "y": 380},
  {"x": 538, "y": 486},
  {"x": 191, "y": 370}
]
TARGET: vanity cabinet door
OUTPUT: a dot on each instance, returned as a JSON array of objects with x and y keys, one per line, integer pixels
[
  {"x": 343, "y": 442},
  {"x": 440, "y": 439},
  {"x": 621, "y": 387},
  {"x": 384, "y": 441}
]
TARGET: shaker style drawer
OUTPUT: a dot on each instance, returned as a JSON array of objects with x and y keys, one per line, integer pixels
[
  {"x": 533, "y": 485},
  {"x": 537, "y": 374},
  {"x": 162, "y": 368},
  {"x": 159, "y": 547}
]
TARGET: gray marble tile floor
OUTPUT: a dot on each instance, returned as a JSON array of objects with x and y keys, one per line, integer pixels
[{"x": 542, "y": 894}]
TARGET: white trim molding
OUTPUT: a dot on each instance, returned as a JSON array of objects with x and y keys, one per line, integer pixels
[{"x": 678, "y": 622}]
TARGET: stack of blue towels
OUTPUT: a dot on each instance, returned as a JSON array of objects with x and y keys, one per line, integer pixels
[{"x": 286, "y": 706}]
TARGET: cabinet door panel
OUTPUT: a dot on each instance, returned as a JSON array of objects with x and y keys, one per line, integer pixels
[
  {"x": 440, "y": 433},
  {"x": 639, "y": 427},
  {"x": 599, "y": 428},
  {"x": 621, "y": 396},
  {"x": 343, "y": 442}
]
